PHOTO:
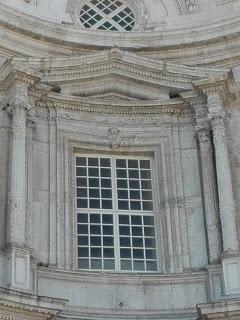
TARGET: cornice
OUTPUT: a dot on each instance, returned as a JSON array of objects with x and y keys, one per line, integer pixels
[
  {"x": 65, "y": 34},
  {"x": 58, "y": 101}
]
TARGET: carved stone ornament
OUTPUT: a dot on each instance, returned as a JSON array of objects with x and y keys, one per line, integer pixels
[{"x": 114, "y": 138}]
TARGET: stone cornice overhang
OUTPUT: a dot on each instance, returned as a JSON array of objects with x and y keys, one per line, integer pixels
[
  {"x": 43, "y": 307},
  {"x": 58, "y": 101},
  {"x": 75, "y": 37}
]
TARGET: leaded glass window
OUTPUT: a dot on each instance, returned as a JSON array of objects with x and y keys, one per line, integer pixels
[{"x": 111, "y": 15}]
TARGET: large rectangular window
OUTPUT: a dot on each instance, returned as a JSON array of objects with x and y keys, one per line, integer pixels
[{"x": 115, "y": 214}]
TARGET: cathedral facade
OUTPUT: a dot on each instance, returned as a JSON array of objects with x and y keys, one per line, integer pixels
[{"x": 119, "y": 159}]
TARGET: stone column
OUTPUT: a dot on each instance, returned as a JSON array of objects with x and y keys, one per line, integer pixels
[
  {"x": 17, "y": 201},
  {"x": 224, "y": 179},
  {"x": 18, "y": 254},
  {"x": 210, "y": 194}
]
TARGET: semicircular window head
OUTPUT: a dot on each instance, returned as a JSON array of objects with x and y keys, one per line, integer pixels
[{"x": 110, "y": 15}]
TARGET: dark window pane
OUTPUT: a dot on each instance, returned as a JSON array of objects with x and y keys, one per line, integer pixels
[
  {"x": 96, "y": 252},
  {"x": 144, "y": 164},
  {"x": 148, "y": 220},
  {"x": 105, "y": 173},
  {"x": 122, "y": 184},
  {"x": 83, "y": 252},
  {"x": 93, "y": 182},
  {"x": 134, "y": 194},
  {"x": 81, "y": 192},
  {"x": 82, "y": 217},
  {"x": 81, "y": 172},
  {"x": 125, "y": 253},
  {"x": 109, "y": 264},
  {"x": 125, "y": 242},
  {"x": 83, "y": 264},
  {"x": 136, "y": 220},
  {"x": 94, "y": 172},
  {"x": 147, "y": 205},
  {"x": 106, "y": 193},
  {"x": 126, "y": 265},
  {"x": 132, "y": 163},
  {"x": 94, "y": 204},
  {"x": 95, "y": 229},
  {"x": 146, "y": 184},
  {"x": 81, "y": 182},
  {"x": 145, "y": 174},
  {"x": 106, "y": 183},
  {"x": 151, "y": 265},
  {"x": 124, "y": 230},
  {"x": 122, "y": 194},
  {"x": 107, "y": 230},
  {"x": 107, "y": 218},
  {"x": 95, "y": 241},
  {"x": 138, "y": 254},
  {"x": 82, "y": 229},
  {"x": 96, "y": 264},
  {"x": 94, "y": 193},
  {"x": 82, "y": 203},
  {"x": 121, "y": 173},
  {"x": 134, "y": 184},
  {"x": 138, "y": 265},
  {"x": 95, "y": 218},
  {"x": 123, "y": 205},
  {"x": 108, "y": 241},
  {"x": 105, "y": 162},
  {"x": 137, "y": 242},
  {"x": 107, "y": 204},
  {"x": 150, "y": 243},
  {"x": 136, "y": 231},
  {"x": 93, "y": 162},
  {"x": 133, "y": 174},
  {"x": 135, "y": 205},
  {"x": 151, "y": 254},
  {"x": 123, "y": 219},
  {"x": 147, "y": 195},
  {"x": 80, "y": 161},
  {"x": 149, "y": 231},
  {"x": 83, "y": 241},
  {"x": 108, "y": 253},
  {"x": 121, "y": 163}
]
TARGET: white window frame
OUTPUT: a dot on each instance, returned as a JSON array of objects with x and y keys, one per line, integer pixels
[{"x": 114, "y": 211}]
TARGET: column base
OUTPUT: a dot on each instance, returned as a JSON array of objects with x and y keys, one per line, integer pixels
[
  {"x": 18, "y": 267},
  {"x": 231, "y": 273}
]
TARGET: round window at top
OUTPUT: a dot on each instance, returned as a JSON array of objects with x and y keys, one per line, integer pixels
[{"x": 110, "y": 15}]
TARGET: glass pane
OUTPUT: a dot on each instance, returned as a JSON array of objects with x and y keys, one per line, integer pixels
[
  {"x": 138, "y": 253},
  {"x": 121, "y": 173},
  {"x": 137, "y": 242},
  {"x": 122, "y": 184},
  {"x": 132, "y": 163},
  {"x": 95, "y": 241},
  {"x": 123, "y": 219},
  {"x": 81, "y": 161},
  {"x": 107, "y": 230},
  {"x": 108, "y": 241},
  {"x": 124, "y": 230},
  {"x": 147, "y": 195},
  {"x": 109, "y": 264},
  {"x": 93, "y": 182},
  {"x": 106, "y": 183},
  {"x": 95, "y": 218},
  {"x": 135, "y": 205},
  {"x": 105, "y": 162},
  {"x": 83, "y": 241},
  {"x": 105, "y": 173},
  {"x": 134, "y": 194},
  {"x": 147, "y": 205},
  {"x": 108, "y": 253},
  {"x": 121, "y": 163},
  {"x": 151, "y": 254},
  {"x": 83, "y": 264},
  {"x": 94, "y": 204},
  {"x": 150, "y": 243},
  {"x": 81, "y": 192},
  {"x": 122, "y": 194},
  {"x": 138, "y": 265},
  {"x": 136, "y": 220},
  {"x": 94, "y": 172},
  {"x": 151, "y": 265},
  {"x": 107, "y": 204},
  {"x": 81, "y": 171},
  {"x": 106, "y": 193},
  {"x": 145, "y": 174},
  {"x": 136, "y": 231},
  {"x": 83, "y": 252},
  {"x": 123, "y": 205},
  {"x": 94, "y": 193},
  {"x": 95, "y": 229},
  {"x": 81, "y": 182},
  {"x": 82, "y": 217},
  {"x": 145, "y": 164},
  {"x": 82, "y": 203},
  {"x": 82, "y": 229},
  {"x": 126, "y": 265},
  {"x": 134, "y": 184},
  {"x": 96, "y": 252},
  {"x": 149, "y": 231},
  {"x": 93, "y": 162},
  {"x": 133, "y": 174},
  {"x": 107, "y": 218},
  {"x": 125, "y": 253},
  {"x": 125, "y": 242},
  {"x": 96, "y": 264},
  {"x": 148, "y": 220}
]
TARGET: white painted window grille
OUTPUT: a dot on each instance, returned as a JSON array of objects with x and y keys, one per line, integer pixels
[
  {"x": 115, "y": 214},
  {"x": 111, "y": 15}
]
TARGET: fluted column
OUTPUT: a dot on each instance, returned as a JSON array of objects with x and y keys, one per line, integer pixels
[
  {"x": 17, "y": 201},
  {"x": 225, "y": 188},
  {"x": 210, "y": 194}
]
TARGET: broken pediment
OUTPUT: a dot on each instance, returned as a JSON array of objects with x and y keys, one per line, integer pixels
[{"x": 115, "y": 74}]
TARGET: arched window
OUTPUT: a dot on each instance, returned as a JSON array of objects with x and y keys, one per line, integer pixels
[{"x": 111, "y": 15}]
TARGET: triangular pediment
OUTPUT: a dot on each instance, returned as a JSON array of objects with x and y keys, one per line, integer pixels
[{"x": 115, "y": 74}]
